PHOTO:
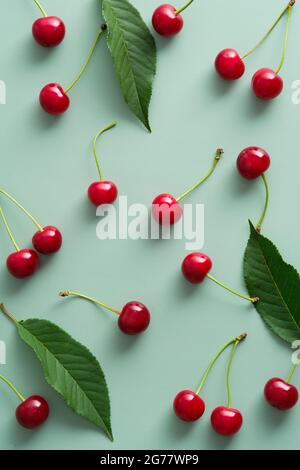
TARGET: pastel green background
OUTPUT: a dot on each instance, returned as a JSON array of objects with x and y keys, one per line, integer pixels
[{"x": 47, "y": 164}]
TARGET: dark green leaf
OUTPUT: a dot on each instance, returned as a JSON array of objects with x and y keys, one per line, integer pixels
[
  {"x": 276, "y": 283},
  {"x": 70, "y": 369},
  {"x": 133, "y": 52}
]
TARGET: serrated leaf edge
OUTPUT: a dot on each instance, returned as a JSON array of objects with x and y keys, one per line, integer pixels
[{"x": 20, "y": 324}]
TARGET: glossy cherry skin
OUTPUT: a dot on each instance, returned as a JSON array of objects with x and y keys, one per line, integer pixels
[
  {"x": 188, "y": 406},
  {"x": 252, "y": 162},
  {"x": 48, "y": 31},
  {"x": 32, "y": 412},
  {"x": 195, "y": 267},
  {"x": 266, "y": 84},
  {"x": 134, "y": 318},
  {"x": 22, "y": 263},
  {"x": 166, "y": 210},
  {"x": 165, "y": 21},
  {"x": 281, "y": 394},
  {"x": 53, "y": 99},
  {"x": 48, "y": 240},
  {"x": 229, "y": 65},
  {"x": 226, "y": 421},
  {"x": 102, "y": 192}
]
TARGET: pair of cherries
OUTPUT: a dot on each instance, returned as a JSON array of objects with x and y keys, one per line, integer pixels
[
  {"x": 252, "y": 162},
  {"x": 266, "y": 83},
  {"x": 189, "y": 406},
  {"x": 23, "y": 263},
  {"x": 133, "y": 319}
]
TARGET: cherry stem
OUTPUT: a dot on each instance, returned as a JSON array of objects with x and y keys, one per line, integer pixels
[
  {"x": 99, "y": 35},
  {"x": 107, "y": 128},
  {"x": 218, "y": 155},
  {"x": 237, "y": 342},
  {"x": 7, "y": 314},
  {"x": 287, "y": 8},
  {"x": 258, "y": 226},
  {"x": 40, "y": 8},
  {"x": 286, "y": 35},
  {"x": 253, "y": 300},
  {"x": 291, "y": 373},
  {"x": 90, "y": 299},
  {"x": 9, "y": 230},
  {"x": 33, "y": 220},
  {"x": 177, "y": 12},
  {"x": 12, "y": 387}
]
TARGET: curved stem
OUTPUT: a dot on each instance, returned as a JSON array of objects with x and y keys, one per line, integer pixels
[
  {"x": 110, "y": 126},
  {"x": 9, "y": 230},
  {"x": 218, "y": 155},
  {"x": 40, "y": 8},
  {"x": 12, "y": 387},
  {"x": 290, "y": 4},
  {"x": 76, "y": 294},
  {"x": 177, "y": 12},
  {"x": 101, "y": 32},
  {"x": 33, "y": 220},
  {"x": 7, "y": 314},
  {"x": 211, "y": 364},
  {"x": 228, "y": 372},
  {"x": 253, "y": 300},
  {"x": 258, "y": 226},
  {"x": 291, "y": 373},
  {"x": 286, "y": 35}
]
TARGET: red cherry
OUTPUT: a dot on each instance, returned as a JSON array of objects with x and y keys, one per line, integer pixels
[
  {"x": 281, "y": 394},
  {"x": 229, "y": 65},
  {"x": 47, "y": 241},
  {"x": 195, "y": 267},
  {"x": 266, "y": 84},
  {"x": 102, "y": 192},
  {"x": 134, "y": 318},
  {"x": 165, "y": 21},
  {"x": 188, "y": 406},
  {"x": 252, "y": 162},
  {"x": 166, "y": 210},
  {"x": 22, "y": 263},
  {"x": 53, "y": 99},
  {"x": 32, "y": 412},
  {"x": 48, "y": 31},
  {"x": 226, "y": 421}
]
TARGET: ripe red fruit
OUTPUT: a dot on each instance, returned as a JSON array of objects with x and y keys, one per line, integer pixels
[
  {"x": 188, "y": 406},
  {"x": 32, "y": 412},
  {"x": 195, "y": 267},
  {"x": 229, "y": 65},
  {"x": 165, "y": 21},
  {"x": 166, "y": 210},
  {"x": 252, "y": 162},
  {"x": 102, "y": 192},
  {"x": 47, "y": 241},
  {"x": 226, "y": 421},
  {"x": 280, "y": 394},
  {"x": 53, "y": 99},
  {"x": 134, "y": 318},
  {"x": 266, "y": 84},
  {"x": 22, "y": 263},
  {"x": 48, "y": 31}
]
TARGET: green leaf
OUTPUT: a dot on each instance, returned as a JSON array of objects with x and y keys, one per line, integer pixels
[
  {"x": 70, "y": 369},
  {"x": 276, "y": 283},
  {"x": 133, "y": 52}
]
